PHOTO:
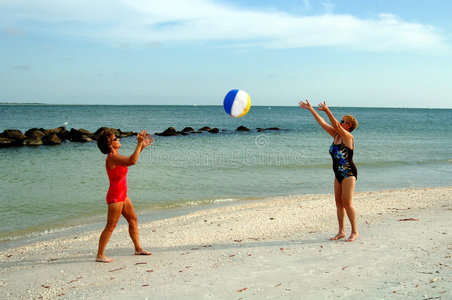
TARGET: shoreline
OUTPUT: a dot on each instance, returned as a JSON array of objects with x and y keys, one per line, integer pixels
[
  {"x": 94, "y": 223},
  {"x": 25, "y": 236},
  {"x": 97, "y": 222},
  {"x": 270, "y": 248}
]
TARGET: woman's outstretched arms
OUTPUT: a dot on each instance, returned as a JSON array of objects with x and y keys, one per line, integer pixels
[
  {"x": 143, "y": 140},
  {"x": 327, "y": 127}
]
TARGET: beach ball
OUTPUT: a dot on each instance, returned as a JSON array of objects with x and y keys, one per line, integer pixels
[{"x": 237, "y": 103}]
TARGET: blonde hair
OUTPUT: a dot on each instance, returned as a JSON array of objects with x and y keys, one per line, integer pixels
[{"x": 352, "y": 121}]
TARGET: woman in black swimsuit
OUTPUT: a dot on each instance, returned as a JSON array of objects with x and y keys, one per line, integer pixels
[{"x": 344, "y": 169}]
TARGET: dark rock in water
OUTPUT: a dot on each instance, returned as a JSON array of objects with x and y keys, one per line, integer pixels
[
  {"x": 12, "y": 138},
  {"x": 40, "y": 136},
  {"x": 117, "y": 132},
  {"x": 4, "y": 142},
  {"x": 13, "y": 134},
  {"x": 33, "y": 131},
  {"x": 34, "y": 137},
  {"x": 242, "y": 128},
  {"x": 124, "y": 134},
  {"x": 81, "y": 135},
  {"x": 170, "y": 131},
  {"x": 52, "y": 139},
  {"x": 61, "y": 132},
  {"x": 100, "y": 130}
]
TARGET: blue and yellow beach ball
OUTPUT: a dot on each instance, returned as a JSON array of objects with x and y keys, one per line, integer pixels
[{"x": 237, "y": 103}]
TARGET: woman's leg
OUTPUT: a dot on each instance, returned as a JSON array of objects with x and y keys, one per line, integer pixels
[
  {"x": 348, "y": 188},
  {"x": 129, "y": 213},
  {"x": 340, "y": 210},
  {"x": 114, "y": 213}
]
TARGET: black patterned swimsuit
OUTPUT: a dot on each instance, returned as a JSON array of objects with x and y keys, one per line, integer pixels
[{"x": 343, "y": 165}]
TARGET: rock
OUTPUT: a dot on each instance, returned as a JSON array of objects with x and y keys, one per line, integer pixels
[
  {"x": 117, "y": 132},
  {"x": 170, "y": 131},
  {"x": 61, "y": 132},
  {"x": 81, "y": 135},
  {"x": 15, "y": 137},
  {"x": 34, "y": 137},
  {"x": 4, "y": 142},
  {"x": 13, "y": 134},
  {"x": 52, "y": 139},
  {"x": 124, "y": 134},
  {"x": 242, "y": 128},
  {"x": 33, "y": 131},
  {"x": 40, "y": 136}
]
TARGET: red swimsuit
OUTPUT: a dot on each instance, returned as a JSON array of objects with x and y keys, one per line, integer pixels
[{"x": 118, "y": 183}]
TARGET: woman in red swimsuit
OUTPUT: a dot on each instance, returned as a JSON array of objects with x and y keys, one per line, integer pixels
[{"x": 117, "y": 200}]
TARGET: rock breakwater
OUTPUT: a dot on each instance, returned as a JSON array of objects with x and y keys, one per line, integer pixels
[{"x": 56, "y": 136}]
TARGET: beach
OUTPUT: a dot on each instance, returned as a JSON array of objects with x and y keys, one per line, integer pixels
[{"x": 262, "y": 249}]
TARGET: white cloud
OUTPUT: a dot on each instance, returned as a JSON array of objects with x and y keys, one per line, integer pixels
[{"x": 144, "y": 21}]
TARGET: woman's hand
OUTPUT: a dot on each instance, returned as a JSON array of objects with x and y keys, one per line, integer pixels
[
  {"x": 141, "y": 136},
  {"x": 305, "y": 105},
  {"x": 323, "y": 106},
  {"x": 145, "y": 139}
]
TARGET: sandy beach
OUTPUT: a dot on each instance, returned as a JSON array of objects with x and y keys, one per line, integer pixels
[{"x": 271, "y": 248}]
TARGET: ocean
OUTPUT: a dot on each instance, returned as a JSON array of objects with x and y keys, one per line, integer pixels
[{"x": 47, "y": 188}]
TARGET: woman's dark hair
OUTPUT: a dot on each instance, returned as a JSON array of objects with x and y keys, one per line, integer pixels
[{"x": 104, "y": 141}]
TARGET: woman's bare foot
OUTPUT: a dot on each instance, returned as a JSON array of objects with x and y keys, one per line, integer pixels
[
  {"x": 143, "y": 252},
  {"x": 104, "y": 259},
  {"x": 338, "y": 236},
  {"x": 353, "y": 237}
]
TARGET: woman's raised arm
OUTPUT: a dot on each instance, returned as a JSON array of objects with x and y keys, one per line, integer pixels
[
  {"x": 143, "y": 140},
  {"x": 346, "y": 135},
  {"x": 327, "y": 127}
]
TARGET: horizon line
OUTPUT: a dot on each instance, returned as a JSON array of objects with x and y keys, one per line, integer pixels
[{"x": 195, "y": 105}]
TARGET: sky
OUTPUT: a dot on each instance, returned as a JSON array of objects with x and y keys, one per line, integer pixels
[{"x": 387, "y": 53}]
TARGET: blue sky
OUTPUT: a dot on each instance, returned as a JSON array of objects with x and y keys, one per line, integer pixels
[{"x": 388, "y": 53}]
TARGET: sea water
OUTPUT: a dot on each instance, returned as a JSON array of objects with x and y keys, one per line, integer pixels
[{"x": 48, "y": 187}]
